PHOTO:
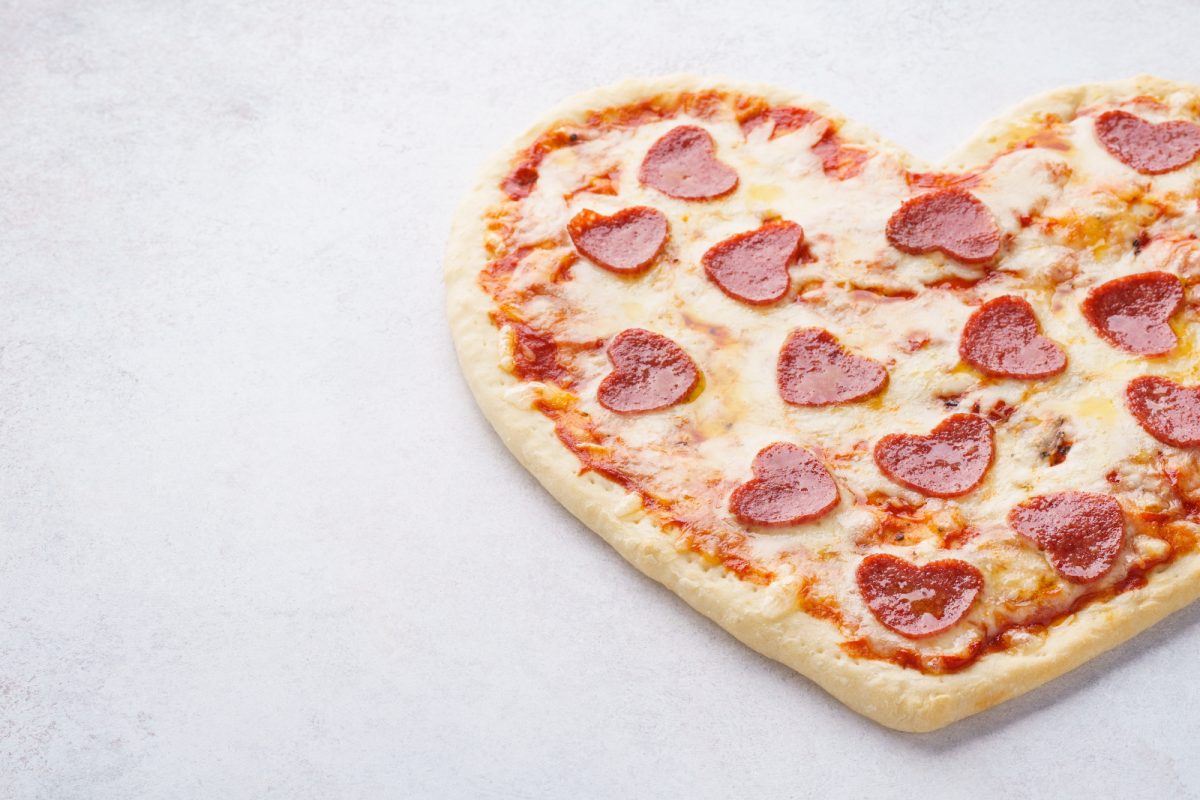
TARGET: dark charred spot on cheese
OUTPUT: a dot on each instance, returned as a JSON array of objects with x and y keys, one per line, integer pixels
[
  {"x": 1061, "y": 448},
  {"x": 1140, "y": 241},
  {"x": 998, "y": 412},
  {"x": 1057, "y": 444}
]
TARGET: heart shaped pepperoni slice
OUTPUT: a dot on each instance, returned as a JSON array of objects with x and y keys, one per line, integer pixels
[
  {"x": 815, "y": 370},
  {"x": 683, "y": 164},
  {"x": 951, "y": 221},
  {"x": 1080, "y": 532},
  {"x": 753, "y": 266},
  {"x": 1165, "y": 410},
  {"x": 949, "y": 462},
  {"x": 918, "y": 601},
  {"x": 1149, "y": 148},
  {"x": 1133, "y": 313},
  {"x": 650, "y": 372},
  {"x": 1003, "y": 339},
  {"x": 626, "y": 243},
  {"x": 790, "y": 486}
]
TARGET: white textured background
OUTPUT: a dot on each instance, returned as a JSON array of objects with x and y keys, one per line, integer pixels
[{"x": 255, "y": 539}]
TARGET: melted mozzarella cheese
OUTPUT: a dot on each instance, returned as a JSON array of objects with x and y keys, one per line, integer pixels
[{"x": 1084, "y": 207}]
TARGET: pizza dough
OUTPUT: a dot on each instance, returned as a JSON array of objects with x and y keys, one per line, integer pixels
[{"x": 921, "y": 433}]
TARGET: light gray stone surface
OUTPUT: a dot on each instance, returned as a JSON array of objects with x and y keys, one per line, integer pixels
[{"x": 255, "y": 539}]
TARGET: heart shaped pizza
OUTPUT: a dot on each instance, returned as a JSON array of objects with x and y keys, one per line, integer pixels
[{"x": 925, "y": 434}]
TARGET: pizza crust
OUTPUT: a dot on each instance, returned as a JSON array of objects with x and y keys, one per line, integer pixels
[{"x": 900, "y": 698}]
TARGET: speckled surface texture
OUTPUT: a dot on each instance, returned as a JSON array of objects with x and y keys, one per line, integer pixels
[{"x": 256, "y": 540}]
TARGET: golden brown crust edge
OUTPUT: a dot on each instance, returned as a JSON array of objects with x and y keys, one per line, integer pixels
[{"x": 899, "y": 698}]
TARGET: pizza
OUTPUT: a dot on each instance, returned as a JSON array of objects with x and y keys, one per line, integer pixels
[{"x": 926, "y": 434}]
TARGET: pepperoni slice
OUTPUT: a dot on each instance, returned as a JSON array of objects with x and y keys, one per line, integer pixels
[
  {"x": 753, "y": 266},
  {"x": 650, "y": 372},
  {"x": 790, "y": 486},
  {"x": 626, "y": 242},
  {"x": 1080, "y": 532},
  {"x": 1133, "y": 313},
  {"x": 951, "y": 221},
  {"x": 918, "y": 601},
  {"x": 1165, "y": 410},
  {"x": 815, "y": 370},
  {"x": 1003, "y": 339},
  {"x": 683, "y": 164},
  {"x": 1149, "y": 148},
  {"x": 949, "y": 462}
]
